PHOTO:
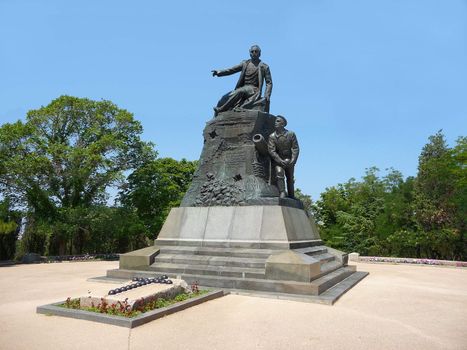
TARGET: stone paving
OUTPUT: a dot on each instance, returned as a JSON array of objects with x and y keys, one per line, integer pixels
[{"x": 395, "y": 307}]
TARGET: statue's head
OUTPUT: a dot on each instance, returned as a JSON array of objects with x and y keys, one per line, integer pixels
[
  {"x": 255, "y": 52},
  {"x": 280, "y": 122}
]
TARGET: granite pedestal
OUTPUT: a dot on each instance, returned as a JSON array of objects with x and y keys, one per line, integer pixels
[{"x": 272, "y": 249}]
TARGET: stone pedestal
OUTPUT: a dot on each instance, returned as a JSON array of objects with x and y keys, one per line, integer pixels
[{"x": 266, "y": 226}]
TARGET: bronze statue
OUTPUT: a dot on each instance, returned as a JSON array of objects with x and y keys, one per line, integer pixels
[
  {"x": 283, "y": 150},
  {"x": 247, "y": 93}
]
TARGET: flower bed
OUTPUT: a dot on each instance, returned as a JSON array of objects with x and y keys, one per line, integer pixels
[
  {"x": 124, "y": 309},
  {"x": 162, "y": 308},
  {"x": 379, "y": 259}
]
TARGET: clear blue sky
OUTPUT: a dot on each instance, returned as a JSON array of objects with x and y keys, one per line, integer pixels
[{"x": 363, "y": 82}]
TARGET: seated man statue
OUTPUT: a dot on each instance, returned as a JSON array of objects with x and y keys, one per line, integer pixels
[
  {"x": 283, "y": 150},
  {"x": 247, "y": 93}
]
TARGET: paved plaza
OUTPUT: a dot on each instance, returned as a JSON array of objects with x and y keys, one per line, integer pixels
[{"x": 395, "y": 307}]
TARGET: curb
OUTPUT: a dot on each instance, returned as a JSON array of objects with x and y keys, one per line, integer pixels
[
  {"x": 411, "y": 261},
  {"x": 7, "y": 263}
]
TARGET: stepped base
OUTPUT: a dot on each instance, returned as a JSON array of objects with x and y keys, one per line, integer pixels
[
  {"x": 315, "y": 287},
  {"x": 246, "y": 270},
  {"x": 329, "y": 297},
  {"x": 266, "y": 249},
  {"x": 326, "y": 289}
]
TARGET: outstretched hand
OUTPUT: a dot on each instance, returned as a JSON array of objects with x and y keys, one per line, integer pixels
[{"x": 214, "y": 73}]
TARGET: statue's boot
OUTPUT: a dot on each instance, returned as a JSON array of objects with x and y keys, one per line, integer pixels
[
  {"x": 291, "y": 189},
  {"x": 281, "y": 187}
]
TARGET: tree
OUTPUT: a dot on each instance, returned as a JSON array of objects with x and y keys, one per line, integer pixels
[
  {"x": 439, "y": 199},
  {"x": 9, "y": 230},
  {"x": 420, "y": 217},
  {"x": 306, "y": 200},
  {"x": 459, "y": 170},
  {"x": 435, "y": 184},
  {"x": 115, "y": 229},
  {"x": 156, "y": 187},
  {"x": 60, "y": 162},
  {"x": 361, "y": 215}
]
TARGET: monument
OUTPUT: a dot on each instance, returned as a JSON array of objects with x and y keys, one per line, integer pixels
[
  {"x": 239, "y": 225},
  {"x": 247, "y": 93}
]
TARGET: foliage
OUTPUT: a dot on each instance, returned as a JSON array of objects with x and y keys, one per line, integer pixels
[
  {"x": 305, "y": 199},
  {"x": 194, "y": 287},
  {"x": 71, "y": 303},
  {"x": 58, "y": 164},
  {"x": 9, "y": 230},
  {"x": 420, "y": 217},
  {"x": 439, "y": 198},
  {"x": 156, "y": 187}
]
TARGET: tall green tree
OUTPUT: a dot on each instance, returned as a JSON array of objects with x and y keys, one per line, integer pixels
[
  {"x": 435, "y": 184},
  {"x": 359, "y": 204},
  {"x": 60, "y": 162},
  {"x": 415, "y": 217},
  {"x": 9, "y": 229},
  {"x": 459, "y": 198},
  {"x": 306, "y": 201},
  {"x": 156, "y": 187},
  {"x": 439, "y": 195}
]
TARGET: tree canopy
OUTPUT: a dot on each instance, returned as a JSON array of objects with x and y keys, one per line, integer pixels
[
  {"x": 9, "y": 229},
  {"x": 414, "y": 217},
  {"x": 155, "y": 187},
  {"x": 59, "y": 163}
]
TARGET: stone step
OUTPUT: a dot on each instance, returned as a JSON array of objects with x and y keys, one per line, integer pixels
[
  {"x": 216, "y": 251},
  {"x": 210, "y": 260},
  {"x": 331, "y": 279},
  {"x": 329, "y": 297},
  {"x": 291, "y": 287},
  {"x": 312, "y": 250},
  {"x": 263, "y": 244},
  {"x": 330, "y": 266},
  {"x": 315, "y": 287},
  {"x": 336, "y": 291},
  {"x": 324, "y": 258},
  {"x": 226, "y": 271}
]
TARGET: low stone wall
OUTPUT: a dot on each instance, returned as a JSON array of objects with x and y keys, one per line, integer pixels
[{"x": 380, "y": 259}]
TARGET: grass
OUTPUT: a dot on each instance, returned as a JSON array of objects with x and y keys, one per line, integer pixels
[{"x": 124, "y": 309}]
